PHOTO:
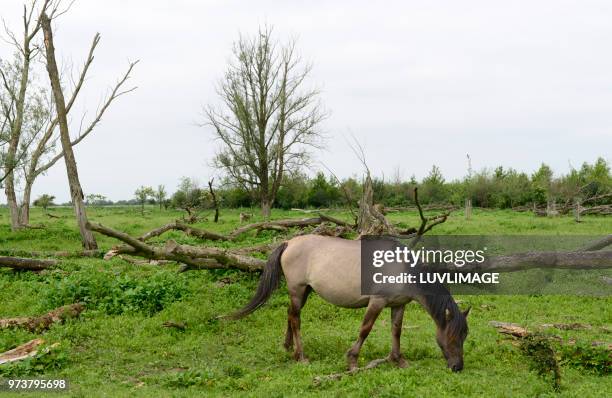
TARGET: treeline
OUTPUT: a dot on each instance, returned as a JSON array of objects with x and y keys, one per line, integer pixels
[
  {"x": 496, "y": 188},
  {"x": 492, "y": 188}
]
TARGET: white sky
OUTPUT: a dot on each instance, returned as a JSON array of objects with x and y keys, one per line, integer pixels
[{"x": 512, "y": 83}]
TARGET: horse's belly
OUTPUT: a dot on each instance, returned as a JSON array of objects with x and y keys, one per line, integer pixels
[
  {"x": 343, "y": 298},
  {"x": 338, "y": 283}
]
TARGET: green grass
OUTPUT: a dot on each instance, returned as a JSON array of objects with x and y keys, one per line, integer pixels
[{"x": 119, "y": 348}]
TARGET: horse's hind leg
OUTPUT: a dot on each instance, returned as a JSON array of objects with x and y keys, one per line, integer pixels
[
  {"x": 375, "y": 306},
  {"x": 397, "y": 316},
  {"x": 297, "y": 297}
]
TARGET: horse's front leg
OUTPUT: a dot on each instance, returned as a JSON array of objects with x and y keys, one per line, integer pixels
[
  {"x": 375, "y": 306},
  {"x": 397, "y": 316}
]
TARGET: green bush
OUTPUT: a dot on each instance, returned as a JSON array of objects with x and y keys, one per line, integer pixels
[
  {"x": 117, "y": 294},
  {"x": 588, "y": 357}
]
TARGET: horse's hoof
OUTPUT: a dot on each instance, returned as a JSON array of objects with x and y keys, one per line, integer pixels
[
  {"x": 303, "y": 360},
  {"x": 400, "y": 362}
]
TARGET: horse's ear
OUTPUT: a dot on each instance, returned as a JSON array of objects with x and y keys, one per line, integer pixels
[
  {"x": 467, "y": 312},
  {"x": 448, "y": 314}
]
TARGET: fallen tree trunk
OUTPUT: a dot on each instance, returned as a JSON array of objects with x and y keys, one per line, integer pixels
[
  {"x": 520, "y": 332},
  {"x": 43, "y": 322},
  {"x": 278, "y": 225},
  {"x": 187, "y": 229},
  {"x": 195, "y": 257},
  {"x": 600, "y": 244},
  {"x": 26, "y": 264},
  {"x": 289, "y": 223},
  {"x": 23, "y": 351},
  {"x": 192, "y": 256},
  {"x": 60, "y": 253},
  {"x": 530, "y": 260}
]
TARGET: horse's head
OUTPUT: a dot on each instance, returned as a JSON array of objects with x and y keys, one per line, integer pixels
[{"x": 451, "y": 335}]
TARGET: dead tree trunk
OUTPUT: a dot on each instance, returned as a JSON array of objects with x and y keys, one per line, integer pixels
[
  {"x": 369, "y": 220},
  {"x": 214, "y": 199},
  {"x": 76, "y": 192},
  {"x": 43, "y": 322}
]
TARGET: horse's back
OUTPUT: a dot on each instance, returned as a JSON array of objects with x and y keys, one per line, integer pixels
[{"x": 331, "y": 266}]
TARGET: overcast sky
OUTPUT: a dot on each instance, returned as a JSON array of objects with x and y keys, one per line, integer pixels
[{"x": 512, "y": 83}]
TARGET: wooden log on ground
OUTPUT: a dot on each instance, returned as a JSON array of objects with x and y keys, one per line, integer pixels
[
  {"x": 193, "y": 256},
  {"x": 543, "y": 260},
  {"x": 23, "y": 351},
  {"x": 60, "y": 253},
  {"x": 43, "y": 322},
  {"x": 26, "y": 264},
  {"x": 187, "y": 229},
  {"x": 600, "y": 210},
  {"x": 600, "y": 244},
  {"x": 288, "y": 223},
  {"x": 512, "y": 329}
]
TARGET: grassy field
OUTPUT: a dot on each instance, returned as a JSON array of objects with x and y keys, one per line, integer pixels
[{"x": 119, "y": 348}]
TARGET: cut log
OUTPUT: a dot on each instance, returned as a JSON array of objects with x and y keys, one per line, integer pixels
[
  {"x": 43, "y": 322},
  {"x": 26, "y": 264},
  {"x": 23, "y": 351}
]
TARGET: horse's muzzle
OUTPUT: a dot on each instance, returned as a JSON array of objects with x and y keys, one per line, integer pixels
[{"x": 457, "y": 367}]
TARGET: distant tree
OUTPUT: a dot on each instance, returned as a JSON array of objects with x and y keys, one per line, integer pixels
[
  {"x": 160, "y": 195},
  {"x": 433, "y": 189},
  {"x": 293, "y": 192},
  {"x": 95, "y": 199},
  {"x": 269, "y": 117},
  {"x": 189, "y": 196},
  {"x": 142, "y": 194},
  {"x": 323, "y": 193},
  {"x": 44, "y": 201}
]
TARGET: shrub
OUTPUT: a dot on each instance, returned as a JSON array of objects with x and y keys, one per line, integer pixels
[{"x": 117, "y": 294}]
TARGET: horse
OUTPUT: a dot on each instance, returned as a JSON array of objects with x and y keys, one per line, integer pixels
[{"x": 331, "y": 267}]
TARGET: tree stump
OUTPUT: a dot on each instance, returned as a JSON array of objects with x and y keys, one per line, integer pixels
[{"x": 370, "y": 221}]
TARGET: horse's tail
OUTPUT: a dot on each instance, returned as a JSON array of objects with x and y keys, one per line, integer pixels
[{"x": 268, "y": 282}]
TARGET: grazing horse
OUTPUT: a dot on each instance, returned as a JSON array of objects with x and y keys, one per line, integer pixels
[{"x": 331, "y": 267}]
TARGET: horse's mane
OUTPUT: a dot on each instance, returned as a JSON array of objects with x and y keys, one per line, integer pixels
[{"x": 437, "y": 301}]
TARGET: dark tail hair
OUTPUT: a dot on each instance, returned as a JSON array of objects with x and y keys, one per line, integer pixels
[{"x": 268, "y": 282}]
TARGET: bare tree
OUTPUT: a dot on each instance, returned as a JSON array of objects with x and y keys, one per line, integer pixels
[
  {"x": 267, "y": 119},
  {"x": 76, "y": 192},
  {"x": 37, "y": 132}
]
